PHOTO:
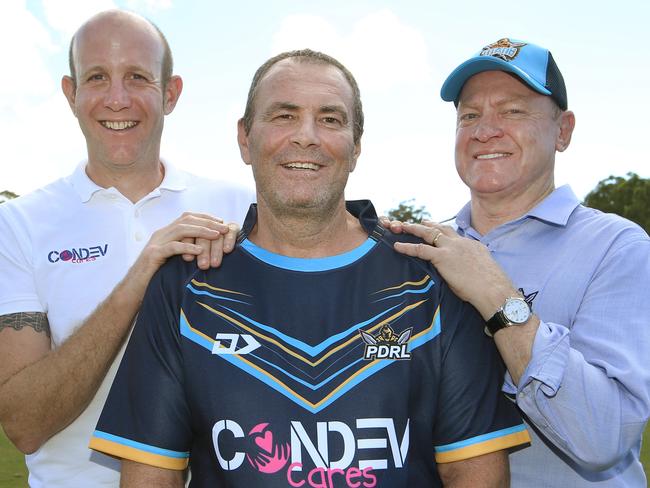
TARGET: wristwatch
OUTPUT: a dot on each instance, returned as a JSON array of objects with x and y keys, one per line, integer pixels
[{"x": 515, "y": 311}]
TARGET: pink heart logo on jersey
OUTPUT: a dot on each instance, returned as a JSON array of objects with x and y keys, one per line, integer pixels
[
  {"x": 265, "y": 442},
  {"x": 266, "y": 455}
]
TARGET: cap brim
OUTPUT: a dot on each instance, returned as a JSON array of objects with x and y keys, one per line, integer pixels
[{"x": 454, "y": 83}]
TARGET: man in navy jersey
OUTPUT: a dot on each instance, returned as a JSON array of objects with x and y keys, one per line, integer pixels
[{"x": 316, "y": 355}]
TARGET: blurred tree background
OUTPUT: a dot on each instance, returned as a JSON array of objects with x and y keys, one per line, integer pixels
[
  {"x": 407, "y": 211},
  {"x": 627, "y": 196},
  {"x": 6, "y": 195}
]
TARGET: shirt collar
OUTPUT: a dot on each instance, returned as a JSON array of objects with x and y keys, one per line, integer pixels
[
  {"x": 555, "y": 209},
  {"x": 174, "y": 180}
]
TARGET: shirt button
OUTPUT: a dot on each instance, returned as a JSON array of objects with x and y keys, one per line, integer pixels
[
  {"x": 138, "y": 236},
  {"x": 136, "y": 213}
]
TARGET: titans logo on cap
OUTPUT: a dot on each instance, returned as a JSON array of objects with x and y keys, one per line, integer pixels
[{"x": 503, "y": 49}]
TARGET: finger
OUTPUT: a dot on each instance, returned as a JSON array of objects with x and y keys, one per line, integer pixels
[
  {"x": 188, "y": 257},
  {"x": 201, "y": 220},
  {"x": 203, "y": 258},
  {"x": 201, "y": 216},
  {"x": 425, "y": 233},
  {"x": 422, "y": 251},
  {"x": 174, "y": 248},
  {"x": 216, "y": 252},
  {"x": 230, "y": 238},
  {"x": 179, "y": 232},
  {"x": 447, "y": 230}
]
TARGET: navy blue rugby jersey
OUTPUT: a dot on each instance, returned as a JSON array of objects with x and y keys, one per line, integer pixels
[{"x": 361, "y": 369}]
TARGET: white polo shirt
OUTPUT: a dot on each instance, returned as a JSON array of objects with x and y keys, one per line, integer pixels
[{"x": 63, "y": 249}]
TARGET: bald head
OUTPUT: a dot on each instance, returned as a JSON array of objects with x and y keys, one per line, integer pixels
[{"x": 124, "y": 20}]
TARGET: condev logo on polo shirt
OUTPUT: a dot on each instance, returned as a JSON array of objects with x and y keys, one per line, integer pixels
[{"x": 78, "y": 254}]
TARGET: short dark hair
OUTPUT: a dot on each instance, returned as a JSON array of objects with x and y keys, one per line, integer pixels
[
  {"x": 167, "y": 60},
  {"x": 306, "y": 56}
]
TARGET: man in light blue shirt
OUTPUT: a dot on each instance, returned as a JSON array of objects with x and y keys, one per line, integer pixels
[{"x": 563, "y": 288}]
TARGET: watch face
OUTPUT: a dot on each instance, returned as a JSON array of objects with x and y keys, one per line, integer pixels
[{"x": 516, "y": 310}]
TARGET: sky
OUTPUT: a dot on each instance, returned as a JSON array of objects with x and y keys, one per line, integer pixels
[{"x": 399, "y": 51}]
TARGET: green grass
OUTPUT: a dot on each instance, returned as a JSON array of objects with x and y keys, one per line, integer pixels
[
  {"x": 14, "y": 475},
  {"x": 645, "y": 451}
]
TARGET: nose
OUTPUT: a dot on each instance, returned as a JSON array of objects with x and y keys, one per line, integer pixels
[
  {"x": 306, "y": 133},
  {"x": 486, "y": 128},
  {"x": 117, "y": 96}
]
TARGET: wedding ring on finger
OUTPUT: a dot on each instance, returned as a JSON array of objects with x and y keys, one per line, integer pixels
[{"x": 435, "y": 239}]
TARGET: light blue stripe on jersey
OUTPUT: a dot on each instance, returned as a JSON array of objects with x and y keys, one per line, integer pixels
[
  {"x": 481, "y": 438},
  {"x": 139, "y": 445},
  {"x": 317, "y": 349},
  {"x": 265, "y": 377},
  {"x": 193, "y": 336},
  {"x": 409, "y": 292},
  {"x": 218, "y": 297},
  {"x": 306, "y": 383},
  {"x": 309, "y": 264}
]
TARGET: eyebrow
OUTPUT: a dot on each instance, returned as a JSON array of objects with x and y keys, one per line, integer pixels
[
  {"x": 292, "y": 107},
  {"x": 274, "y": 107},
  {"x": 130, "y": 68}
]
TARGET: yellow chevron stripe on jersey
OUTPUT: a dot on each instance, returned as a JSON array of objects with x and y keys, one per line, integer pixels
[{"x": 355, "y": 337}]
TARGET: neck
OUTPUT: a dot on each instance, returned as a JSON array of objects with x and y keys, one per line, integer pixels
[
  {"x": 307, "y": 233},
  {"x": 492, "y": 210},
  {"x": 133, "y": 181}
]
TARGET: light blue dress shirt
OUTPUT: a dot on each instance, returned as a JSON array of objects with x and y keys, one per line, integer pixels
[{"x": 586, "y": 390}]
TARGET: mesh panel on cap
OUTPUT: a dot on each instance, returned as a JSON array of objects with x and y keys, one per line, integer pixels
[{"x": 555, "y": 83}]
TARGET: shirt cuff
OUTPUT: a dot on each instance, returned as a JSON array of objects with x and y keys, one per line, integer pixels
[{"x": 549, "y": 359}]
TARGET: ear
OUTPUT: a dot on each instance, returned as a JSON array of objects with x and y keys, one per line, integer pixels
[
  {"x": 242, "y": 140},
  {"x": 355, "y": 156},
  {"x": 567, "y": 124},
  {"x": 69, "y": 88},
  {"x": 172, "y": 92}
]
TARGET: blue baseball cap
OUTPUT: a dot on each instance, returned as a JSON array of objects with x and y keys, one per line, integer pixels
[{"x": 532, "y": 64}]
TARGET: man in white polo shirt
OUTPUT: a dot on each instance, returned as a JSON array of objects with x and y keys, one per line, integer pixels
[{"x": 77, "y": 255}]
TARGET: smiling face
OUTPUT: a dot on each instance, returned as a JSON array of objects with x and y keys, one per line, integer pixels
[
  {"x": 506, "y": 138},
  {"x": 300, "y": 143},
  {"x": 119, "y": 98}
]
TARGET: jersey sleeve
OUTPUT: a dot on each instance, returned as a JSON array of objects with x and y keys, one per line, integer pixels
[
  {"x": 474, "y": 417},
  {"x": 17, "y": 279},
  {"x": 146, "y": 418}
]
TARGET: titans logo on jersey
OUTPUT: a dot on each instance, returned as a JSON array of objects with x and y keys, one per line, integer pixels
[{"x": 360, "y": 369}]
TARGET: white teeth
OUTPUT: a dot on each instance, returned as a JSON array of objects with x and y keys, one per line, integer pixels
[
  {"x": 299, "y": 165},
  {"x": 118, "y": 125},
  {"x": 492, "y": 155}
]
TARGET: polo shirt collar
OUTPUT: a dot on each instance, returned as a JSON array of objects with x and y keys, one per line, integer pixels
[
  {"x": 557, "y": 207},
  {"x": 174, "y": 180},
  {"x": 554, "y": 209}
]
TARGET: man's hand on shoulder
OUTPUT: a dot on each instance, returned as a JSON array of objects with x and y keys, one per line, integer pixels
[
  {"x": 192, "y": 235},
  {"x": 465, "y": 264}
]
